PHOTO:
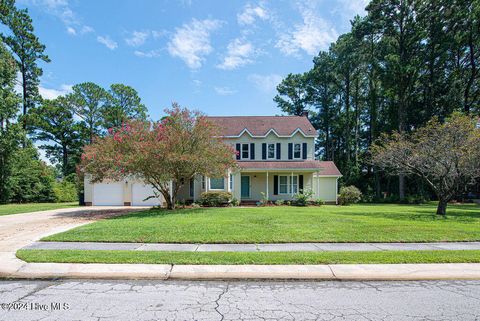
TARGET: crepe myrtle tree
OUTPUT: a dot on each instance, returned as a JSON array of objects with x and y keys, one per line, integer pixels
[
  {"x": 445, "y": 155},
  {"x": 164, "y": 154}
]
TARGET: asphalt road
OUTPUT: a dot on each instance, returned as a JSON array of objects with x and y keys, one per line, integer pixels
[{"x": 240, "y": 300}]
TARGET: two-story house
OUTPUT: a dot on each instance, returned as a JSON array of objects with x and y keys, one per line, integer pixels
[{"x": 275, "y": 155}]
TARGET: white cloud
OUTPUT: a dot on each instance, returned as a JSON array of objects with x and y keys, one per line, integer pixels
[
  {"x": 62, "y": 10},
  {"x": 266, "y": 83},
  {"x": 239, "y": 53},
  {"x": 108, "y": 42},
  {"x": 147, "y": 54},
  {"x": 191, "y": 42},
  {"x": 224, "y": 91},
  {"x": 312, "y": 35},
  {"x": 158, "y": 33},
  {"x": 137, "y": 38},
  {"x": 250, "y": 14},
  {"x": 72, "y": 31},
  {"x": 50, "y": 93}
]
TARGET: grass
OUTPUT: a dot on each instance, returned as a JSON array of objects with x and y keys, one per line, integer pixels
[
  {"x": 387, "y": 257},
  {"x": 9, "y": 209},
  {"x": 356, "y": 223}
]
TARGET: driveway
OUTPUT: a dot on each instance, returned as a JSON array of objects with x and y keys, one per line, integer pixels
[{"x": 19, "y": 230}]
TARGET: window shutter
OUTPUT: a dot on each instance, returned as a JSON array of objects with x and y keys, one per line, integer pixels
[
  {"x": 275, "y": 184},
  {"x": 300, "y": 183},
  {"x": 252, "y": 150},
  {"x": 290, "y": 150},
  {"x": 237, "y": 147},
  {"x": 279, "y": 153},
  {"x": 264, "y": 151},
  {"x": 304, "y": 150}
]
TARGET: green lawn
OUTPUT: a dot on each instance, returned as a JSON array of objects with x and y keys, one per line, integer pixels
[
  {"x": 32, "y": 207},
  {"x": 356, "y": 223},
  {"x": 388, "y": 257}
]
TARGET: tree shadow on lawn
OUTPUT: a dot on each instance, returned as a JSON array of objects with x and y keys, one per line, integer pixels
[
  {"x": 159, "y": 212},
  {"x": 464, "y": 213}
]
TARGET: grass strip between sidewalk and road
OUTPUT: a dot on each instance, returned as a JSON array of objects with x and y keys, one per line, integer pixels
[
  {"x": 238, "y": 258},
  {"x": 9, "y": 209}
]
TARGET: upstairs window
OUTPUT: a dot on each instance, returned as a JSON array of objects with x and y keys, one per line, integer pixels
[
  {"x": 297, "y": 151},
  {"x": 245, "y": 151},
  {"x": 270, "y": 151}
]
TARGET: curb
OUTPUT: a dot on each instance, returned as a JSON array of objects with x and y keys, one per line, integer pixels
[{"x": 333, "y": 272}]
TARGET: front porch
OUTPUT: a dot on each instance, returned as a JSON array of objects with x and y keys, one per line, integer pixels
[{"x": 253, "y": 186}]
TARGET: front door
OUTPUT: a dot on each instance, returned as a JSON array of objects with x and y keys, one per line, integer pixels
[{"x": 245, "y": 187}]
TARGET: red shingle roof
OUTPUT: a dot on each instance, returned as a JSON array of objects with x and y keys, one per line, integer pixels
[
  {"x": 261, "y": 125},
  {"x": 326, "y": 168}
]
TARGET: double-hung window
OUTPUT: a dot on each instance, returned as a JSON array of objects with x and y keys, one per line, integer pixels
[
  {"x": 245, "y": 151},
  {"x": 288, "y": 184},
  {"x": 271, "y": 151},
  {"x": 297, "y": 151},
  {"x": 283, "y": 184},
  {"x": 231, "y": 182}
]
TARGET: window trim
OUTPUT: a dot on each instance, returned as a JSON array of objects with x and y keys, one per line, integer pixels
[
  {"x": 289, "y": 184},
  {"x": 248, "y": 150},
  {"x": 274, "y": 151},
  {"x": 216, "y": 189},
  {"x": 301, "y": 150}
]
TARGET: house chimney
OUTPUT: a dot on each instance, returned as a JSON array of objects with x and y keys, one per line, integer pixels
[{"x": 304, "y": 113}]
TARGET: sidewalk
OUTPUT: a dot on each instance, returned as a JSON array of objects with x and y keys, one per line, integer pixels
[{"x": 274, "y": 247}]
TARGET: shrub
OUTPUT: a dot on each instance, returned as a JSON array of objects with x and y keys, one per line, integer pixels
[
  {"x": 349, "y": 195},
  {"x": 235, "y": 202},
  {"x": 65, "y": 191},
  {"x": 279, "y": 202},
  {"x": 264, "y": 200},
  {"x": 318, "y": 202},
  {"x": 195, "y": 205},
  {"x": 301, "y": 199},
  {"x": 215, "y": 198},
  {"x": 415, "y": 199}
]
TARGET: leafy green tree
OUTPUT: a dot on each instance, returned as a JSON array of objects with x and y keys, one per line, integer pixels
[
  {"x": 27, "y": 50},
  {"x": 123, "y": 104},
  {"x": 292, "y": 95},
  {"x": 31, "y": 179},
  {"x": 55, "y": 126},
  {"x": 10, "y": 133},
  {"x": 88, "y": 101},
  {"x": 446, "y": 156}
]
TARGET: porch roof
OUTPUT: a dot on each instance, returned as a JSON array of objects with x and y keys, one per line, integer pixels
[{"x": 327, "y": 168}]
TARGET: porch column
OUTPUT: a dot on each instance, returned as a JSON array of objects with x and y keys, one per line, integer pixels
[
  {"x": 291, "y": 183},
  {"x": 267, "y": 187},
  {"x": 171, "y": 190},
  {"x": 228, "y": 181},
  {"x": 318, "y": 184}
]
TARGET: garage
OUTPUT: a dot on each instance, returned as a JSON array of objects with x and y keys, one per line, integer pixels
[
  {"x": 140, "y": 192},
  {"x": 108, "y": 194}
]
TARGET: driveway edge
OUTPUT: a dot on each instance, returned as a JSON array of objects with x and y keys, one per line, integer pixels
[{"x": 339, "y": 272}]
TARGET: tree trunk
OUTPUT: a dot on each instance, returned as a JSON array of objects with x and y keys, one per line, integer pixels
[{"x": 442, "y": 207}]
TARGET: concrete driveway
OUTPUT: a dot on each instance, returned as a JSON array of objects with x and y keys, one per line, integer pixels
[{"x": 19, "y": 230}]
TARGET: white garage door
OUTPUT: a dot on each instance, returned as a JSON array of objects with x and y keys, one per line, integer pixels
[
  {"x": 141, "y": 192},
  {"x": 108, "y": 194}
]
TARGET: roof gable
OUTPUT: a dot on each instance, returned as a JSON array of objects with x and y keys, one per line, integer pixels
[{"x": 262, "y": 126}]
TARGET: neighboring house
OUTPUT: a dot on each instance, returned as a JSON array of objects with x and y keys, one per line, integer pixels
[{"x": 275, "y": 155}]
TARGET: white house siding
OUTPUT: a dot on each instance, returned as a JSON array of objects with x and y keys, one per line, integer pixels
[{"x": 325, "y": 188}]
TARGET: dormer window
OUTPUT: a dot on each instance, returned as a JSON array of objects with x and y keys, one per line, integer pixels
[
  {"x": 297, "y": 151},
  {"x": 245, "y": 151},
  {"x": 270, "y": 151}
]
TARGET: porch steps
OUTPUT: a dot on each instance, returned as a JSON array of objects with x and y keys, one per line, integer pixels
[{"x": 248, "y": 203}]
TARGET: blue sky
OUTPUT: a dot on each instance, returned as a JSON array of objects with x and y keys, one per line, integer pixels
[{"x": 220, "y": 57}]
